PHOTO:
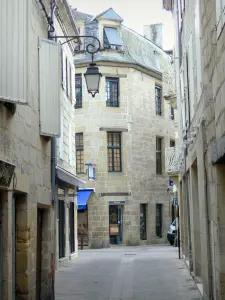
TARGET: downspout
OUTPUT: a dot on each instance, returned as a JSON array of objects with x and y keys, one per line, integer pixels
[
  {"x": 51, "y": 34},
  {"x": 208, "y": 229},
  {"x": 188, "y": 212}
]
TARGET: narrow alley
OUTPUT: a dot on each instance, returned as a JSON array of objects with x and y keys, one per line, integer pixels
[{"x": 131, "y": 273}]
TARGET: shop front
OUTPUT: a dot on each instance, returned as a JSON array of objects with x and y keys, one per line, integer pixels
[
  {"x": 116, "y": 210},
  {"x": 82, "y": 207}
]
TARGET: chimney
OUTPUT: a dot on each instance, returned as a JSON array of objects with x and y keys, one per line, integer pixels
[{"x": 154, "y": 33}]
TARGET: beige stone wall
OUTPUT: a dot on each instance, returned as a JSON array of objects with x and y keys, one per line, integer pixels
[
  {"x": 138, "y": 177},
  {"x": 207, "y": 117}
]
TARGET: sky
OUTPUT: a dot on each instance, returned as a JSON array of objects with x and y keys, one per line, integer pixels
[{"x": 135, "y": 13}]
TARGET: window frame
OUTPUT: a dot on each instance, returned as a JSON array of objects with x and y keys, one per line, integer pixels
[
  {"x": 79, "y": 149},
  {"x": 159, "y": 112},
  {"x": 109, "y": 81},
  {"x": 67, "y": 79},
  {"x": 112, "y": 147},
  {"x": 172, "y": 115},
  {"x": 79, "y": 99},
  {"x": 159, "y": 156},
  {"x": 106, "y": 44},
  {"x": 172, "y": 143}
]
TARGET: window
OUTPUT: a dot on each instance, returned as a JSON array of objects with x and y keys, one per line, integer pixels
[
  {"x": 143, "y": 221},
  {"x": 67, "y": 85},
  {"x": 80, "y": 153},
  {"x": 158, "y": 100},
  {"x": 112, "y": 92},
  {"x": 78, "y": 87},
  {"x": 171, "y": 113},
  {"x": 114, "y": 152},
  {"x": 220, "y": 17},
  {"x": 172, "y": 143},
  {"x": 70, "y": 83},
  {"x": 112, "y": 39},
  {"x": 159, "y": 156},
  {"x": 158, "y": 219},
  {"x": 62, "y": 67}
]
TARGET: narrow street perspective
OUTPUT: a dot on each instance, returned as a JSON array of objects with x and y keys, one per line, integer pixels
[
  {"x": 126, "y": 273},
  {"x": 112, "y": 150}
]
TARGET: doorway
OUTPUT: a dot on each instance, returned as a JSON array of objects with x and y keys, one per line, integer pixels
[
  {"x": 116, "y": 224},
  {"x": 1, "y": 247},
  {"x": 72, "y": 225},
  {"x": 61, "y": 217},
  {"x": 143, "y": 221},
  {"x": 39, "y": 254}
]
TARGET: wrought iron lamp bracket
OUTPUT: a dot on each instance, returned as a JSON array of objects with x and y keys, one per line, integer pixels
[{"x": 90, "y": 48}]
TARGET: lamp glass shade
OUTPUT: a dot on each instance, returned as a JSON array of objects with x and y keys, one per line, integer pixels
[{"x": 92, "y": 77}]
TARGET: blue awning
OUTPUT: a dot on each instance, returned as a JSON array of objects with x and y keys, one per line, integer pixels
[
  {"x": 113, "y": 36},
  {"x": 82, "y": 198}
]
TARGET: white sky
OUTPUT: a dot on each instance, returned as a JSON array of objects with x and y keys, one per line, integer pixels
[{"x": 136, "y": 14}]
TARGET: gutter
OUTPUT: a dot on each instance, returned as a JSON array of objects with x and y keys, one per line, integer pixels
[
  {"x": 110, "y": 63},
  {"x": 51, "y": 35}
]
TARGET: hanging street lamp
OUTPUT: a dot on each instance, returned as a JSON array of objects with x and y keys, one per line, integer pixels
[{"x": 92, "y": 75}]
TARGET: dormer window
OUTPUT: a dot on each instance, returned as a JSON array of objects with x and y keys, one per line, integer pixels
[{"x": 112, "y": 39}]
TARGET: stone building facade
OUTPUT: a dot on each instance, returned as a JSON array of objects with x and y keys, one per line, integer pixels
[
  {"x": 29, "y": 117},
  {"x": 66, "y": 180},
  {"x": 199, "y": 49},
  {"x": 117, "y": 132}
]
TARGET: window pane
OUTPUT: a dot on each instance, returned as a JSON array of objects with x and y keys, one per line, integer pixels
[
  {"x": 158, "y": 100},
  {"x": 79, "y": 153},
  {"x": 78, "y": 90},
  {"x": 112, "y": 92},
  {"x": 114, "y": 152}
]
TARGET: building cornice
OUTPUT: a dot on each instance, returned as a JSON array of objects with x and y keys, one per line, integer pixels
[{"x": 106, "y": 63}]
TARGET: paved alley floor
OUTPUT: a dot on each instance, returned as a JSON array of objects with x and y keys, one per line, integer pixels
[{"x": 126, "y": 273}]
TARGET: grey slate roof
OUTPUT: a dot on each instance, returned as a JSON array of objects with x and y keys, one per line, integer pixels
[
  {"x": 109, "y": 14},
  {"x": 137, "y": 49},
  {"x": 80, "y": 16}
]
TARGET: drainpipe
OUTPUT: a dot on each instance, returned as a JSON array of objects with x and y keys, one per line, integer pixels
[
  {"x": 188, "y": 211},
  {"x": 208, "y": 229},
  {"x": 51, "y": 34}
]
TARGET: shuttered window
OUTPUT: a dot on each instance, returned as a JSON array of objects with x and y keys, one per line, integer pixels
[
  {"x": 15, "y": 31},
  {"x": 49, "y": 87}
]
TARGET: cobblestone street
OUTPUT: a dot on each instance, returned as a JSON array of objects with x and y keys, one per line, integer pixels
[{"x": 126, "y": 273}]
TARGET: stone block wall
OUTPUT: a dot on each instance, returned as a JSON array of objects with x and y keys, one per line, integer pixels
[
  {"x": 21, "y": 144},
  {"x": 140, "y": 125},
  {"x": 207, "y": 118}
]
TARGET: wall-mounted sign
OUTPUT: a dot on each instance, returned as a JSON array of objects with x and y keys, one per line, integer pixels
[
  {"x": 175, "y": 202},
  {"x": 6, "y": 173},
  {"x": 91, "y": 171},
  {"x": 117, "y": 202}
]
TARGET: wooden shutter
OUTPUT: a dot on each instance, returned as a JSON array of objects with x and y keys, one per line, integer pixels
[
  {"x": 49, "y": 87},
  {"x": 14, "y": 50},
  {"x": 61, "y": 139}
]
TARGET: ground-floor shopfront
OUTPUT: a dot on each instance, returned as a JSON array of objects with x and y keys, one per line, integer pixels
[
  {"x": 116, "y": 220},
  {"x": 67, "y": 219},
  {"x": 26, "y": 246}
]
